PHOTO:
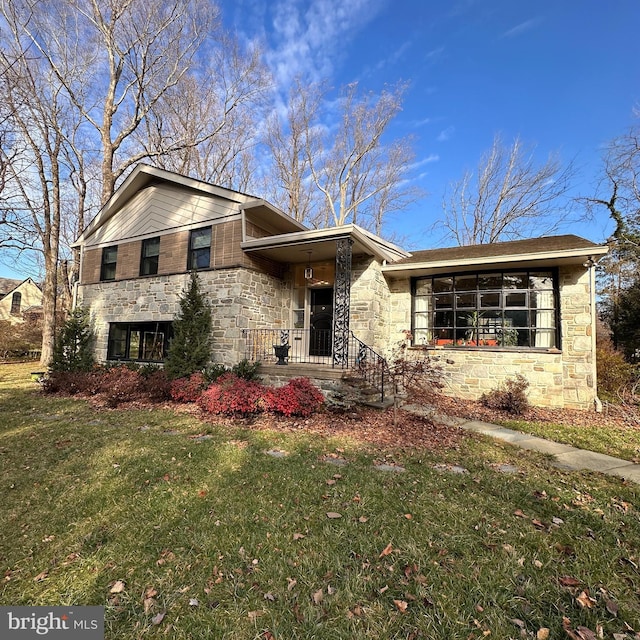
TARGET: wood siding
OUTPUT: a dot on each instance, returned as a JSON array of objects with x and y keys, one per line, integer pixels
[{"x": 157, "y": 209}]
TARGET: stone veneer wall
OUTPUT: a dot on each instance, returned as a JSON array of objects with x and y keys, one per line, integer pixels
[
  {"x": 240, "y": 298},
  {"x": 557, "y": 378},
  {"x": 369, "y": 318}
]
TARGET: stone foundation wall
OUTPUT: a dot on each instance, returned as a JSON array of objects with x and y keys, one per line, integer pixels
[{"x": 240, "y": 299}]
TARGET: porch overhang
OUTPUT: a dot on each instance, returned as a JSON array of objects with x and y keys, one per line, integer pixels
[{"x": 295, "y": 247}]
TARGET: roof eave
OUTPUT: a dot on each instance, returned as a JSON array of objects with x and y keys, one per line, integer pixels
[{"x": 572, "y": 256}]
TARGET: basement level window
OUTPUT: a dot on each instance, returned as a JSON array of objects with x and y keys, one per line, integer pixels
[{"x": 140, "y": 341}]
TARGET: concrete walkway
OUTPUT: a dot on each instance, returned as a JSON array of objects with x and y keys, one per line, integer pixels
[{"x": 566, "y": 457}]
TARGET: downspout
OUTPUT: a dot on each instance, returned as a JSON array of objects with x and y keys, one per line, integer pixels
[{"x": 591, "y": 266}]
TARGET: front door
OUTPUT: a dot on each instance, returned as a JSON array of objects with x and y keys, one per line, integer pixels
[{"x": 321, "y": 322}]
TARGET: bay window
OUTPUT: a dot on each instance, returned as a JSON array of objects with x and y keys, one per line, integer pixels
[{"x": 489, "y": 309}]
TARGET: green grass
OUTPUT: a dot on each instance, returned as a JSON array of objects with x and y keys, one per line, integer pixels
[
  {"x": 613, "y": 440},
  {"x": 94, "y": 497}
]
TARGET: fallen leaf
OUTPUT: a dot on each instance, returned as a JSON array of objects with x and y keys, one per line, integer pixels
[
  {"x": 150, "y": 592},
  {"x": 386, "y": 551},
  {"x": 158, "y": 618},
  {"x": 43, "y": 575},
  {"x": 333, "y": 515},
  {"x": 270, "y": 597},
  {"x": 585, "y": 600},
  {"x": 362, "y": 519},
  {"x": 298, "y": 536},
  {"x": 148, "y": 604},
  {"x": 401, "y": 605},
  {"x": 612, "y": 607},
  {"x": 537, "y": 564},
  {"x": 330, "y": 482},
  {"x": 317, "y": 597},
  {"x": 568, "y": 581},
  {"x": 408, "y": 516},
  {"x": 518, "y": 513},
  {"x": 253, "y": 615},
  {"x": 117, "y": 587},
  {"x": 542, "y": 633},
  {"x": 518, "y": 622},
  {"x": 292, "y": 583},
  {"x": 193, "y": 602}
]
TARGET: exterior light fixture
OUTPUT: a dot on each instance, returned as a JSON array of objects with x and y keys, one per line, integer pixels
[{"x": 308, "y": 272}]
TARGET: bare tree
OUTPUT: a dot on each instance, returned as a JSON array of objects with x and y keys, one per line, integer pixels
[
  {"x": 287, "y": 139},
  {"x": 620, "y": 191},
  {"x": 509, "y": 196},
  {"x": 215, "y": 121},
  {"x": 354, "y": 169},
  {"x": 87, "y": 74},
  {"x": 357, "y": 177}
]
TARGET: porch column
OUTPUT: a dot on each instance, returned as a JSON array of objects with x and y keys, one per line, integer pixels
[{"x": 341, "y": 303}]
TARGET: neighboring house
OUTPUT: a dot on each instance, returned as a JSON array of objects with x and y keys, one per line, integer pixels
[
  {"x": 20, "y": 300},
  {"x": 336, "y": 296}
]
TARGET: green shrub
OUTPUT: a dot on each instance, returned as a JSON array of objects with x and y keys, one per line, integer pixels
[
  {"x": 213, "y": 371},
  {"x": 511, "y": 396},
  {"x": 73, "y": 350},
  {"x": 190, "y": 347},
  {"x": 247, "y": 370}
]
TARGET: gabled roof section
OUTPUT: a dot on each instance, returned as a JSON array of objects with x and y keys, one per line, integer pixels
[
  {"x": 145, "y": 176},
  {"x": 544, "y": 252},
  {"x": 9, "y": 285}
]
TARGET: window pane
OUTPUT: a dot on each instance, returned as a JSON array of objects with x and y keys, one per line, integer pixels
[
  {"x": 201, "y": 238},
  {"x": 466, "y": 301},
  {"x": 490, "y": 281},
  {"x": 444, "y": 301},
  {"x": 422, "y": 336},
  {"x": 489, "y": 300},
  {"x": 109, "y": 254},
  {"x": 134, "y": 344},
  {"x": 150, "y": 247},
  {"x": 515, "y": 299},
  {"x": 422, "y": 304},
  {"x": 200, "y": 259},
  {"x": 466, "y": 283},
  {"x": 541, "y": 280},
  {"x": 444, "y": 318},
  {"x": 117, "y": 342},
  {"x": 515, "y": 281},
  {"x": 423, "y": 287},
  {"x": 442, "y": 284}
]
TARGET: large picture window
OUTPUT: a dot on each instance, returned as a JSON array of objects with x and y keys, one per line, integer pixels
[
  {"x": 146, "y": 341},
  {"x": 149, "y": 256},
  {"x": 491, "y": 309},
  {"x": 199, "y": 249}
]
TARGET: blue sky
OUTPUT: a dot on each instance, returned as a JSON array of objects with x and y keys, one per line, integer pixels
[{"x": 562, "y": 75}]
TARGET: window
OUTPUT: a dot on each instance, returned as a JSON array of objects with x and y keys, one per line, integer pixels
[
  {"x": 16, "y": 301},
  {"x": 492, "y": 309},
  {"x": 199, "y": 249},
  {"x": 149, "y": 256},
  {"x": 147, "y": 341},
  {"x": 109, "y": 260}
]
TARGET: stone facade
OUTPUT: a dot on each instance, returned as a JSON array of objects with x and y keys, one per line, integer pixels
[
  {"x": 240, "y": 298},
  {"x": 562, "y": 377}
]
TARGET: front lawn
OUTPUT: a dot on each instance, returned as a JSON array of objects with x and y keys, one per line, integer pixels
[{"x": 189, "y": 529}]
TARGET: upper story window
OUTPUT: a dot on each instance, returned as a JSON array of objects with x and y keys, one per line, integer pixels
[
  {"x": 16, "y": 301},
  {"x": 108, "y": 265},
  {"x": 149, "y": 256},
  {"x": 492, "y": 309},
  {"x": 199, "y": 249}
]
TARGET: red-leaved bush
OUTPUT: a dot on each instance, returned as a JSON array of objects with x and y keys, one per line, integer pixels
[
  {"x": 296, "y": 398},
  {"x": 118, "y": 385},
  {"x": 188, "y": 389},
  {"x": 231, "y": 395}
]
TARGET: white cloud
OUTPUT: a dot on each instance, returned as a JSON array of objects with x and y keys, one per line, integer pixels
[
  {"x": 521, "y": 28},
  {"x": 445, "y": 134}
]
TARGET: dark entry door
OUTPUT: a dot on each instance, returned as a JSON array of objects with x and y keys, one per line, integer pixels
[{"x": 321, "y": 322}]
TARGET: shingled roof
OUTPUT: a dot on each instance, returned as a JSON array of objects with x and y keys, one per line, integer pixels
[{"x": 543, "y": 245}]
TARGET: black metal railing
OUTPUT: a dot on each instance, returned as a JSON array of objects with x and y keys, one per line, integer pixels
[{"x": 314, "y": 346}]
